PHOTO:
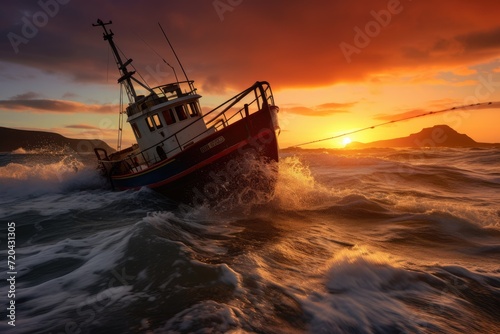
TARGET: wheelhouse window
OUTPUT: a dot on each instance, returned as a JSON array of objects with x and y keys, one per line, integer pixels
[
  {"x": 151, "y": 126},
  {"x": 154, "y": 122},
  {"x": 157, "y": 121},
  {"x": 193, "y": 109},
  {"x": 168, "y": 115},
  {"x": 135, "y": 128},
  {"x": 181, "y": 113}
]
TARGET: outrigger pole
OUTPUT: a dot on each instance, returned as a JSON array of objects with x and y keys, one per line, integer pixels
[
  {"x": 175, "y": 54},
  {"x": 485, "y": 104}
]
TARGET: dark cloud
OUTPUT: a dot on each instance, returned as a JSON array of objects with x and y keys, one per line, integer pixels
[
  {"x": 82, "y": 127},
  {"x": 69, "y": 95},
  {"x": 290, "y": 44},
  {"x": 26, "y": 96},
  {"x": 55, "y": 106},
  {"x": 481, "y": 40}
]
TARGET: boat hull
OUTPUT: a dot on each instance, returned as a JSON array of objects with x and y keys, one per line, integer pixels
[{"x": 215, "y": 166}]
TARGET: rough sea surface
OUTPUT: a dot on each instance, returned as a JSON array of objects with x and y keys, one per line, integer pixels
[{"x": 362, "y": 241}]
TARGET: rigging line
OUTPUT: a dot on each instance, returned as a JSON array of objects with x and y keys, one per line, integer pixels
[
  {"x": 152, "y": 49},
  {"x": 144, "y": 83},
  {"x": 173, "y": 50},
  {"x": 400, "y": 120},
  {"x": 173, "y": 69},
  {"x": 120, "y": 120},
  {"x": 149, "y": 46},
  {"x": 107, "y": 65}
]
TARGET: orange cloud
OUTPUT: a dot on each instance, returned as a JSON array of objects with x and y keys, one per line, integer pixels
[
  {"x": 401, "y": 115},
  {"x": 325, "y": 109}
]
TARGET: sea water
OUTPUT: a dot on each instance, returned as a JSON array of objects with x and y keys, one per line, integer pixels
[{"x": 362, "y": 241}]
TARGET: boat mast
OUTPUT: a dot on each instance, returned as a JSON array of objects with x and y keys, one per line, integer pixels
[{"x": 127, "y": 76}]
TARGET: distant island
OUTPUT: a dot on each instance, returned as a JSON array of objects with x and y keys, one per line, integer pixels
[
  {"x": 436, "y": 136},
  {"x": 13, "y": 139}
]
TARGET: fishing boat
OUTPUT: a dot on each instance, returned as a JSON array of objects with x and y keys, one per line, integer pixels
[{"x": 182, "y": 152}]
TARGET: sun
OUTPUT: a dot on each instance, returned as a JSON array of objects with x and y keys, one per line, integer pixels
[{"x": 346, "y": 141}]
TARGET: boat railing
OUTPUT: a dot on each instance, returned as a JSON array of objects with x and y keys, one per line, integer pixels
[
  {"x": 234, "y": 110},
  {"x": 251, "y": 100},
  {"x": 160, "y": 94}
]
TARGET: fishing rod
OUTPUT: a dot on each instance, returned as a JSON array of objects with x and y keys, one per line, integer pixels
[{"x": 476, "y": 105}]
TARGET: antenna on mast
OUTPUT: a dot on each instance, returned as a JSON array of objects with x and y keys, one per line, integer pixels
[{"x": 173, "y": 50}]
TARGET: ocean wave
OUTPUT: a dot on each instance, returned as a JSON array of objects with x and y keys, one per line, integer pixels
[
  {"x": 53, "y": 151},
  {"x": 370, "y": 292},
  {"x": 362, "y": 294},
  {"x": 219, "y": 317},
  {"x": 84, "y": 282},
  {"x": 45, "y": 176},
  {"x": 57, "y": 280},
  {"x": 344, "y": 244}
]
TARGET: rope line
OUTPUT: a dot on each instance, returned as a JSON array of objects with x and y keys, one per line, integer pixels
[{"x": 476, "y": 105}]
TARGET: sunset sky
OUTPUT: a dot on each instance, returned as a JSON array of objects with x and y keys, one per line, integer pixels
[{"x": 334, "y": 66}]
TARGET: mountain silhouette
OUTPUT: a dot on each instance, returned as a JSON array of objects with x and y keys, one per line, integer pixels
[
  {"x": 436, "y": 136},
  {"x": 13, "y": 139}
]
